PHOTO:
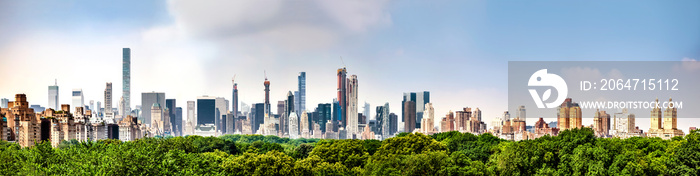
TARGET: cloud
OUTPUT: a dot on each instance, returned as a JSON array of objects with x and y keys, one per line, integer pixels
[
  {"x": 291, "y": 25},
  {"x": 690, "y": 64}
]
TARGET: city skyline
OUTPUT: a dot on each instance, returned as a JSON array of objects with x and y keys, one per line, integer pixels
[{"x": 172, "y": 51}]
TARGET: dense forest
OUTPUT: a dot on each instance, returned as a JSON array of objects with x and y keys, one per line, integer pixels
[{"x": 572, "y": 152}]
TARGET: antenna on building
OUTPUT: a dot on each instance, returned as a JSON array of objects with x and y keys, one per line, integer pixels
[
  {"x": 55, "y": 83},
  {"x": 341, "y": 60},
  {"x": 234, "y": 79},
  {"x": 265, "y": 73}
]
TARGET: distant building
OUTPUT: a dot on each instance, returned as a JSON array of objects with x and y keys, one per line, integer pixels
[
  {"x": 126, "y": 81},
  {"x": 53, "y": 96},
  {"x": 191, "y": 121},
  {"x": 78, "y": 98},
  {"x": 147, "y": 101},
  {"x": 342, "y": 96},
  {"x": 419, "y": 99},
  {"x": 293, "y": 126},
  {"x": 301, "y": 97},
  {"x": 206, "y": 115},
  {"x": 569, "y": 115},
  {"x": 428, "y": 120},
  {"x": 668, "y": 129},
  {"x": 384, "y": 120},
  {"x": 601, "y": 123},
  {"x": 221, "y": 110},
  {"x": 257, "y": 116},
  {"x": 129, "y": 129},
  {"x": 409, "y": 118},
  {"x": 352, "y": 121},
  {"x": 171, "y": 104},
  {"x": 623, "y": 125},
  {"x": 108, "y": 113}
]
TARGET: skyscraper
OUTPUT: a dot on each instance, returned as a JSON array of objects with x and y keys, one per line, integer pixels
[
  {"x": 302, "y": 90},
  {"x": 419, "y": 99},
  {"x": 53, "y": 96},
  {"x": 108, "y": 114},
  {"x": 409, "y": 118},
  {"x": 569, "y": 115},
  {"x": 178, "y": 121},
  {"x": 221, "y": 111},
  {"x": 78, "y": 98},
  {"x": 267, "y": 97},
  {"x": 342, "y": 96},
  {"x": 352, "y": 128},
  {"x": 206, "y": 110},
  {"x": 288, "y": 111},
  {"x": 191, "y": 118},
  {"x": 234, "y": 101},
  {"x": 324, "y": 113},
  {"x": 126, "y": 80},
  {"x": 366, "y": 111},
  {"x": 3, "y": 102},
  {"x": 258, "y": 116},
  {"x": 293, "y": 126},
  {"x": 147, "y": 100},
  {"x": 384, "y": 120},
  {"x": 521, "y": 113},
  {"x": 171, "y": 105}
]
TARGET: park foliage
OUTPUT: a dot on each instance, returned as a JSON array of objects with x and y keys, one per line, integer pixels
[{"x": 572, "y": 152}]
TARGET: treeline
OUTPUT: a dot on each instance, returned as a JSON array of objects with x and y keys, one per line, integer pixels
[{"x": 574, "y": 152}]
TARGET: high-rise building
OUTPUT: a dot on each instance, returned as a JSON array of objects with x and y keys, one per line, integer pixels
[
  {"x": 393, "y": 126},
  {"x": 178, "y": 121},
  {"x": 302, "y": 91},
  {"x": 352, "y": 127},
  {"x": 98, "y": 110},
  {"x": 623, "y": 125},
  {"x": 108, "y": 114},
  {"x": 3, "y": 102},
  {"x": 206, "y": 111},
  {"x": 147, "y": 101},
  {"x": 53, "y": 96},
  {"x": 569, "y": 115},
  {"x": 191, "y": 118},
  {"x": 267, "y": 97},
  {"x": 126, "y": 80},
  {"x": 78, "y": 98},
  {"x": 366, "y": 111},
  {"x": 234, "y": 101},
  {"x": 601, "y": 123},
  {"x": 297, "y": 109},
  {"x": 419, "y": 99},
  {"x": 282, "y": 119},
  {"x": 171, "y": 105},
  {"x": 324, "y": 115},
  {"x": 342, "y": 96},
  {"x": 428, "y": 120},
  {"x": 521, "y": 113},
  {"x": 409, "y": 118},
  {"x": 383, "y": 114},
  {"x": 288, "y": 110},
  {"x": 669, "y": 126},
  {"x": 257, "y": 116},
  {"x": 293, "y": 126},
  {"x": 221, "y": 111}
]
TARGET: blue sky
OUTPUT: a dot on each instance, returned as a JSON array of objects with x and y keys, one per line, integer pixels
[{"x": 458, "y": 50}]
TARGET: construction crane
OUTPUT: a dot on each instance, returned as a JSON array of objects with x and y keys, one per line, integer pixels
[
  {"x": 234, "y": 79},
  {"x": 341, "y": 60}
]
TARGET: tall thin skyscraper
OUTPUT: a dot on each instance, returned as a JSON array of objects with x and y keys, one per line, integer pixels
[
  {"x": 383, "y": 114},
  {"x": 171, "y": 105},
  {"x": 53, "y": 96},
  {"x": 352, "y": 128},
  {"x": 302, "y": 90},
  {"x": 521, "y": 113},
  {"x": 108, "y": 102},
  {"x": 126, "y": 80},
  {"x": 221, "y": 110},
  {"x": 366, "y": 111},
  {"x": 267, "y": 97},
  {"x": 342, "y": 95},
  {"x": 78, "y": 98},
  {"x": 234, "y": 99}
]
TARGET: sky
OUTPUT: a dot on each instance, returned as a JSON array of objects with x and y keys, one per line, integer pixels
[{"x": 457, "y": 50}]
